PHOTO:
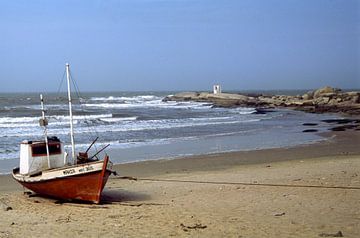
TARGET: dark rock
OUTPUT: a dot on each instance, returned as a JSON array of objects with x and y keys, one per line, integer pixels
[
  {"x": 310, "y": 130},
  {"x": 310, "y": 124},
  {"x": 262, "y": 111},
  {"x": 255, "y": 95},
  {"x": 340, "y": 128},
  {"x": 343, "y": 128},
  {"x": 341, "y": 121}
]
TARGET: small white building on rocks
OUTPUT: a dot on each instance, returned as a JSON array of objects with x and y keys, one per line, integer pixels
[{"x": 217, "y": 89}]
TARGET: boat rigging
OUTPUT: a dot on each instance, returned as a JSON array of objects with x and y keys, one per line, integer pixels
[{"x": 45, "y": 169}]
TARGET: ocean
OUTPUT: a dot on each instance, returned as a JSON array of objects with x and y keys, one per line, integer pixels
[{"x": 140, "y": 126}]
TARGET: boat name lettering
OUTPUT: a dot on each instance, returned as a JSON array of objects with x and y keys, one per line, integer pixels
[
  {"x": 69, "y": 171},
  {"x": 89, "y": 168},
  {"x": 85, "y": 169}
]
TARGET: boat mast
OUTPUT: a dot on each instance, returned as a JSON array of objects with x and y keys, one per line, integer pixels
[
  {"x": 70, "y": 111},
  {"x": 43, "y": 122}
]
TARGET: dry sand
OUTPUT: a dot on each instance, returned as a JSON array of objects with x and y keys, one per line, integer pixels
[{"x": 222, "y": 195}]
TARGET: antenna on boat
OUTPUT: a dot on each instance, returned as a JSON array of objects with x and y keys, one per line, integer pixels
[
  {"x": 43, "y": 122},
  {"x": 70, "y": 111}
]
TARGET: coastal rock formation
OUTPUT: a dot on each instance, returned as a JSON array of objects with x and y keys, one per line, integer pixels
[{"x": 322, "y": 100}]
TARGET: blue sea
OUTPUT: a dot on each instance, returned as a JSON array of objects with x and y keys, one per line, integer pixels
[{"x": 140, "y": 126}]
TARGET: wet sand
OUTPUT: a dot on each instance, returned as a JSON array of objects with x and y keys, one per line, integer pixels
[{"x": 285, "y": 192}]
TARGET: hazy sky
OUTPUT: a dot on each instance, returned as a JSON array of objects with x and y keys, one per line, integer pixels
[{"x": 179, "y": 44}]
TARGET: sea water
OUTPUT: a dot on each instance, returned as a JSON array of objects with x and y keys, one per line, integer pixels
[{"x": 140, "y": 126}]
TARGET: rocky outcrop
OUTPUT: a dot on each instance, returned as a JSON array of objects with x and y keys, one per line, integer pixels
[
  {"x": 325, "y": 91},
  {"x": 325, "y": 99},
  {"x": 218, "y": 100}
]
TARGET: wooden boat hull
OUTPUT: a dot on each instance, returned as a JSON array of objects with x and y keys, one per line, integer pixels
[{"x": 72, "y": 184}]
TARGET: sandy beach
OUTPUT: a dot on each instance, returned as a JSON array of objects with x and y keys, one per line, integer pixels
[
  {"x": 180, "y": 118},
  {"x": 304, "y": 191}
]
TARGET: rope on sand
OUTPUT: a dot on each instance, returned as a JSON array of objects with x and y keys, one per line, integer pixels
[{"x": 238, "y": 183}]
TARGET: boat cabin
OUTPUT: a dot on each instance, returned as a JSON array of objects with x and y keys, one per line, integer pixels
[{"x": 33, "y": 155}]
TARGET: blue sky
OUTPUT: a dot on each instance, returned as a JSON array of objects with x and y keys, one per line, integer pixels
[{"x": 180, "y": 45}]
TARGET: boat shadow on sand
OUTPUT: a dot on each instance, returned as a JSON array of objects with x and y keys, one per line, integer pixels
[{"x": 108, "y": 197}]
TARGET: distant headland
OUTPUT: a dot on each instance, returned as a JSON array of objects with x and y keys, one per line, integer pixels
[{"x": 322, "y": 100}]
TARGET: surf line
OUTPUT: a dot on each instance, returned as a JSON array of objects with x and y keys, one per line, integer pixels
[{"x": 238, "y": 183}]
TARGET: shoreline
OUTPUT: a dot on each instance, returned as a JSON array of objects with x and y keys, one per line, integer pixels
[
  {"x": 332, "y": 144},
  {"x": 324, "y": 137}
]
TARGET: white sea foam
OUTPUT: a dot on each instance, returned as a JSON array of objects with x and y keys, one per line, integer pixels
[
  {"x": 129, "y": 99},
  {"x": 151, "y": 142},
  {"x": 118, "y": 119},
  {"x": 112, "y": 102},
  {"x": 6, "y": 120},
  {"x": 38, "y": 107},
  {"x": 160, "y": 124},
  {"x": 28, "y": 121},
  {"x": 155, "y": 103},
  {"x": 244, "y": 110},
  {"x": 6, "y": 155},
  {"x": 129, "y": 125},
  {"x": 82, "y": 117}
]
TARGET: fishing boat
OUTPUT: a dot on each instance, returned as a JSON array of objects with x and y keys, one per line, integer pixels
[{"x": 46, "y": 169}]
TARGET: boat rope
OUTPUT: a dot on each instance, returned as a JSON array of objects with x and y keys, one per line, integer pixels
[
  {"x": 61, "y": 83},
  {"x": 91, "y": 129},
  {"x": 93, "y": 132},
  {"x": 238, "y": 183},
  {"x": 58, "y": 96}
]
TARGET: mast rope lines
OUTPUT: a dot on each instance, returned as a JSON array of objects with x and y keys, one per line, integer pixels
[
  {"x": 93, "y": 132},
  {"x": 237, "y": 183},
  {"x": 91, "y": 129}
]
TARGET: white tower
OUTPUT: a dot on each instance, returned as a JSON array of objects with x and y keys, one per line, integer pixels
[{"x": 217, "y": 89}]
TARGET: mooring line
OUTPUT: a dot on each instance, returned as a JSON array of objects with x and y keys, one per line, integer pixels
[{"x": 240, "y": 183}]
